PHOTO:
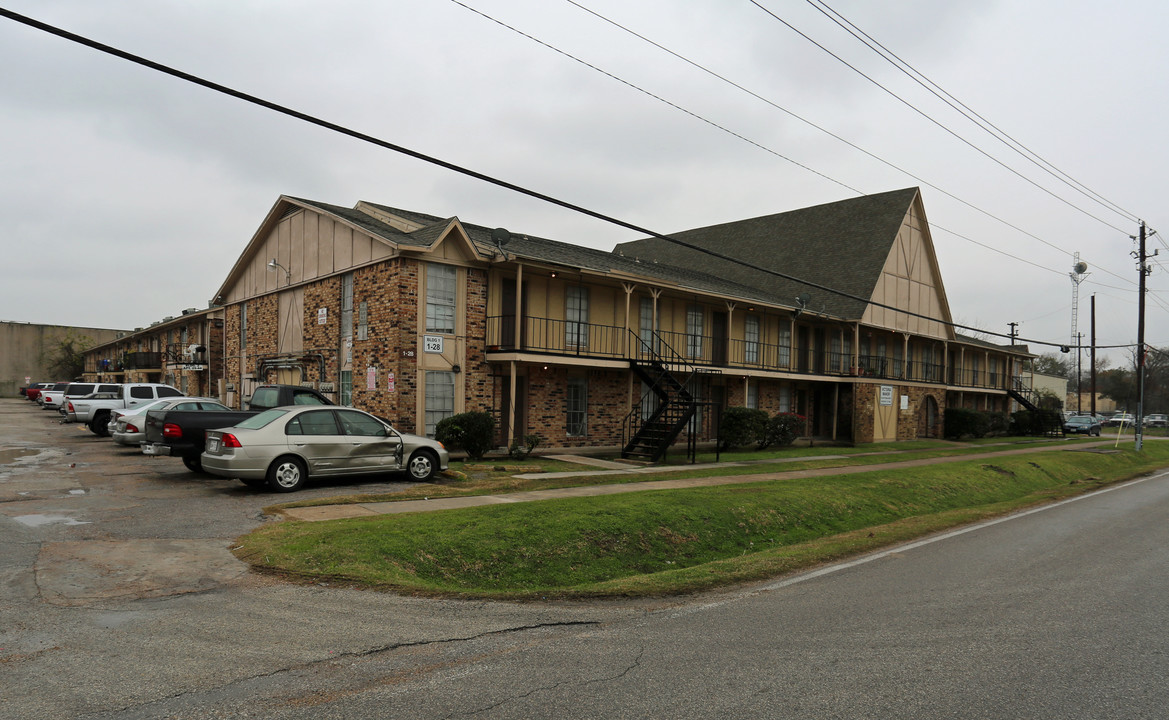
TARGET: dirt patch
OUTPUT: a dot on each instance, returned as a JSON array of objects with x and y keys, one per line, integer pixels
[{"x": 84, "y": 573}]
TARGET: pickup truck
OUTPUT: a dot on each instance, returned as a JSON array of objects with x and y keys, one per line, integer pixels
[
  {"x": 55, "y": 398},
  {"x": 182, "y": 433},
  {"x": 93, "y": 411}
]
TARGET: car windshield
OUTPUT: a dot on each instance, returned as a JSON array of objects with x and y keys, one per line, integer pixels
[
  {"x": 153, "y": 405},
  {"x": 1080, "y": 421},
  {"x": 256, "y": 422}
]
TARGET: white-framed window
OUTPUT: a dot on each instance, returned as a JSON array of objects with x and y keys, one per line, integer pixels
[
  {"x": 751, "y": 339},
  {"x": 694, "y": 329},
  {"x": 347, "y": 305},
  {"x": 441, "y": 295},
  {"x": 576, "y": 315},
  {"x": 576, "y": 407},
  {"x": 363, "y": 321},
  {"x": 440, "y": 398}
]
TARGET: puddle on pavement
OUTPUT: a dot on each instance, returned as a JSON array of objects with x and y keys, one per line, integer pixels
[
  {"x": 8, "y": 456},
  {"x": 42, "y": 520}
]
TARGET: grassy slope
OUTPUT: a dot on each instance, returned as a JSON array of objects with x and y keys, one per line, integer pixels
[{"x": 675, "y": 541}]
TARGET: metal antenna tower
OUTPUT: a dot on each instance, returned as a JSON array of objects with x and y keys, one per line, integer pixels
[{"x": 1078, "y": 273}]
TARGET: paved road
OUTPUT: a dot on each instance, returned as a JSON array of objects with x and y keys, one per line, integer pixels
[{"x": 118, "y": 599}]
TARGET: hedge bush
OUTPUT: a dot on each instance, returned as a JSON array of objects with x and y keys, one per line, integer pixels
[
  {"x": 742, "y": 426},
  {"x": 471, "y": 432},
  {"x": 783, "y": 429}
]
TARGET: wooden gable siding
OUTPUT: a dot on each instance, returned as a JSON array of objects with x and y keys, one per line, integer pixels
[
  {"x": 311, "y": 246},
  {"x": 910, "y": 281}
]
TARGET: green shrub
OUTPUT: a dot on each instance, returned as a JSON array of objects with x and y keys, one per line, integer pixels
[
  {"x": 783, "y": 429},
  {"x": 960, "y": 422},
  {"x": 471, "y": 432},
  {"x": 1038, "y": 422},
  {"x": 521, "y": 449},
  {"x": 742, "y": 426}
]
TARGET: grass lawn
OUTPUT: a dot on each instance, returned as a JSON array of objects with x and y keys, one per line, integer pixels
[
  {"x": 676, "y": 541},
  {"x": 497, "y": 476}
]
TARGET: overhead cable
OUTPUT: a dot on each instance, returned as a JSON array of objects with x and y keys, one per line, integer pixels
[{"x": 196, "y": 80}]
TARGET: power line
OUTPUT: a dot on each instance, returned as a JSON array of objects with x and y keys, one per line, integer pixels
[
  {"x": 938, "y": 123},
  {"x": 969, "y": 113},
  {"x": 795, "y": 116},
  {"x": 196, "y": 80}
]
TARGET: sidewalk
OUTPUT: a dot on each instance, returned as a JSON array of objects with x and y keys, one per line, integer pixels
[{"x": 337, "y": 512}]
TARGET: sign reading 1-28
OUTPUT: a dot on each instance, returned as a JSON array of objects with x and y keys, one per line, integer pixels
[{"x": 432, "y": 343}]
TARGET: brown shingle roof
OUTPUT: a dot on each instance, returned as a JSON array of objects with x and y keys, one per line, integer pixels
[{"x": 841, "y": 245}]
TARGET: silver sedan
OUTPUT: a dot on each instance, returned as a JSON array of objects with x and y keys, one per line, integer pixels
[
  {"x": 128, "y": 427},
  {"x": 281, "y": 448}
]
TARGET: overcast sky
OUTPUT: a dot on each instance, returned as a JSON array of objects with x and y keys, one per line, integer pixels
[{"x": 126, "y": 195}]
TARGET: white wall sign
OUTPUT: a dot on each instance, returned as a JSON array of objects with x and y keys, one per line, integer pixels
[
  {"x": 432, "y": 343},
  {"x": 904, "y": 402},
  {"x": 322, "y": 316},
  {"x": 886, "y": 394}
]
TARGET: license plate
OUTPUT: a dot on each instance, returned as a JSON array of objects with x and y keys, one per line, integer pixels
[
  {"x": 212, "y": 446},
  {"x": 152, "y": 449}
]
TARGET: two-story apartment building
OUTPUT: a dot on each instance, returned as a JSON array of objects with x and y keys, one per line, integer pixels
[
  {"x": 835, "y": 312},
  {"x": 185, "y": 351}
]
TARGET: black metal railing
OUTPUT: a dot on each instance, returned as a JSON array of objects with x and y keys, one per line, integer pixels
[
  {"x": 569, "y": 338},
  {"x": 143, "y": 360}
]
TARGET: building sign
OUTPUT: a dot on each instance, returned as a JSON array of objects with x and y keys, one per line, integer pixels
[
  {"x": 886, "y": 394},
  {"x": 904, "y": 402},
  {"x": 432, "y": 343},
  {"x": 322, "y": 316},
  {"x": 407, "y": 352},
  {"x": 188, "y": 366}
]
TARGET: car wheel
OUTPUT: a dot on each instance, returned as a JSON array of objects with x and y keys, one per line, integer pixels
[
  {"x": 100, "y": 425},
  {"x": 286, "y": 474},
  {"x": 194, "y": 463},
  {"x": 422, "y": 466}
]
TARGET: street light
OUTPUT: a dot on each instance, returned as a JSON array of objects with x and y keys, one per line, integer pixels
[{"x": 272, "y": 265}]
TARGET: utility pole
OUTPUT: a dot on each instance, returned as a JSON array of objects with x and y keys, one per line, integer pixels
[
  {"x": 1014, "y": 331},
  {"x": 1144, "y": 270},
  {"x": 1079, "y": 372},
  {"x": 1092, "y": 385}
]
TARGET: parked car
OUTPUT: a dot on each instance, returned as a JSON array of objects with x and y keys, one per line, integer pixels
[
  {"x": 282, "y": 448},
  {"x": 182, "y": 433},
  {"x": 1082, "y": 425},
  {"x": 33, "y": 391},
  {"x": 1122, "y": 419},
  {"x": 1157, "y": 420},
  {"x": 50, "y": 397},
  {"x": 57, "y": 399},
  {"x": 129, "y": 426},
  {"x": 94, "y": 410}
]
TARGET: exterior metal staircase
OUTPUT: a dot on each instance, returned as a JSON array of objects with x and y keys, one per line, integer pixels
[
  {"x": 650, "y": 434},
  {"x": 1029, "y": 399}
]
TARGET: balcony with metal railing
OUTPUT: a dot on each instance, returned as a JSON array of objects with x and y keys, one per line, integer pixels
[{"x": 579, "y": 339}]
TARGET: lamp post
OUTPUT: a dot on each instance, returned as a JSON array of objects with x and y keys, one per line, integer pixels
[{"x": 272, "y": 265}]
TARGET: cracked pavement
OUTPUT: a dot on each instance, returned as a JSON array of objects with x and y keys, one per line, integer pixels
[
  {"x": 119, "y": 596},
  {"x": 119, "y": 599}
]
